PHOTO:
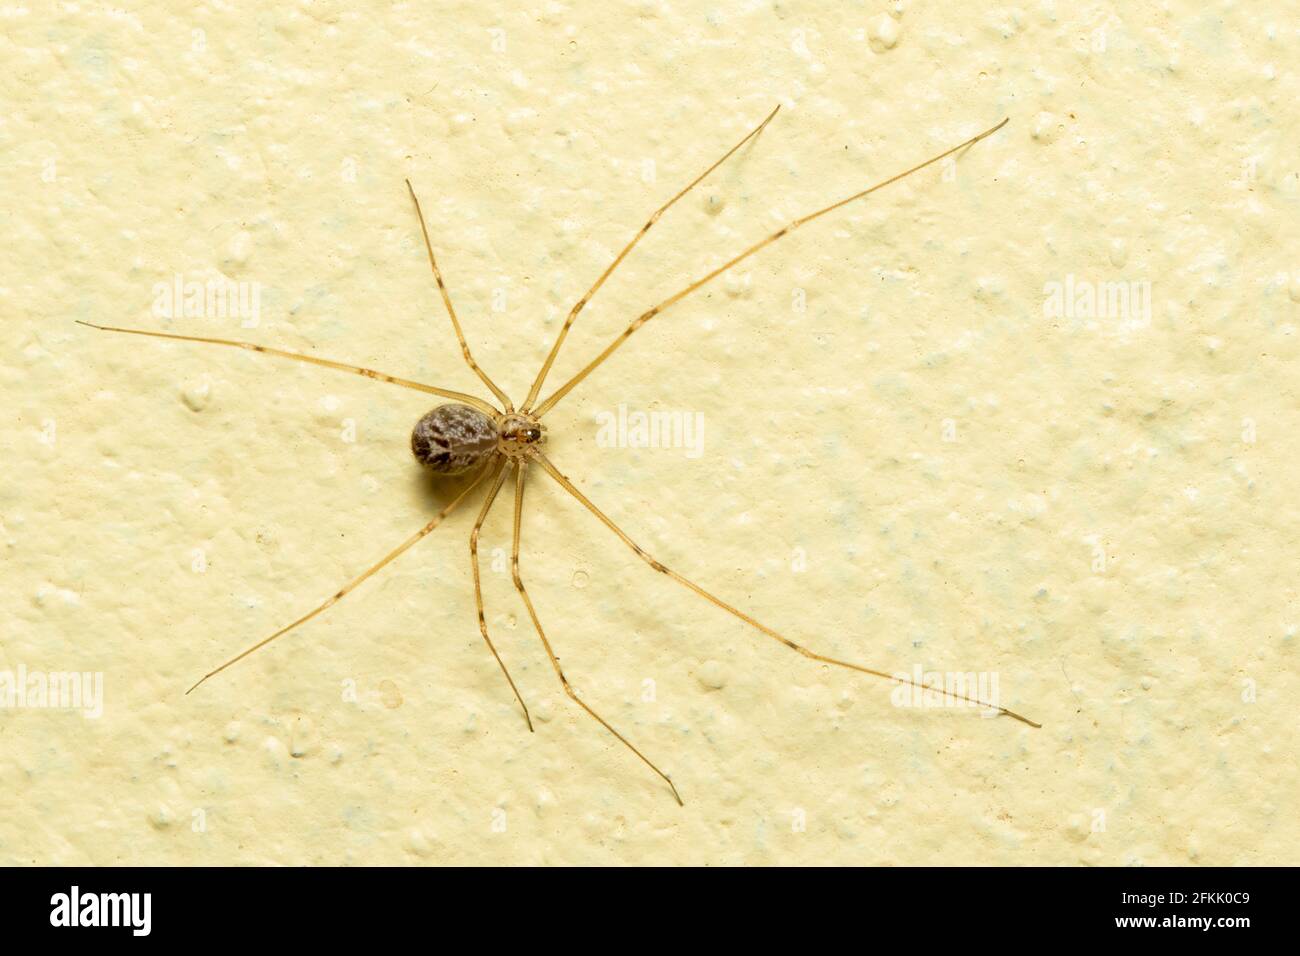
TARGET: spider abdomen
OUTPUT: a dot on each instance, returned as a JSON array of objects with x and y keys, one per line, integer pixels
[{"x": 452, "y": 439}]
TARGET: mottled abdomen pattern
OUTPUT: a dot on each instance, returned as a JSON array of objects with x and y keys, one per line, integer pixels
[{"x": 453, "y": 438}]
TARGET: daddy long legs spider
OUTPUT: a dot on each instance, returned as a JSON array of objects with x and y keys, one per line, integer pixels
[{"x": 470, "y": 434}]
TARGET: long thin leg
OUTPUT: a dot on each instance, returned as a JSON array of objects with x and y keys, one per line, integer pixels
[
  {"x": 555, "y": 663},
  {"x": 478, "y": 589},
  {"x": 311, "y": 359},
  {"x": 347, "y": 588},
  {"x": 646, "y": 316},
  {"x": 573, "y": 313},
  {"x": 718, "y": 602},
  {"x": 446, "y": 300}
]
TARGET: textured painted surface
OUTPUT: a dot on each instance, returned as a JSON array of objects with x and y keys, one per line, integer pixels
[{"x": 906, "y": 459}]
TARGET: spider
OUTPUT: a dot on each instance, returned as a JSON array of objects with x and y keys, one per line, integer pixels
[{"x": 469, "y": 434}]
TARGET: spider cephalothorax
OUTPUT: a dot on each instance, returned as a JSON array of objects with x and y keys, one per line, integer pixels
[{"x": 519, "y": 432}]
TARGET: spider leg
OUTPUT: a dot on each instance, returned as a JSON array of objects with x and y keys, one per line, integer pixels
[
  {"x": 446, "y": 300},
  {"x": 478, "y": 589},
  {"x": 537, "y": 624},
  {"x": 311, "y": 359},
  {"x": 718, "y": 602},
  {"x": 649, "y": 314},
  {"x": 654, "y": 217},
  {"x": 347, "y": 588}
]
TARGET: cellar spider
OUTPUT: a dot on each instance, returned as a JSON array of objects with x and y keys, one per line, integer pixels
[{"x": 468, "y": 433}]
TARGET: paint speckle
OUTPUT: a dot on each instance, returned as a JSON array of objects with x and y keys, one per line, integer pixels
[
  {"x": 389, "y": 695},
  {"x": 418, "y": 843},
  {"x": 1045, "y": 128},
  {"x": 239, "y": 248},
  {"x": 989, "y": 287},
  {"x": 712, "y": 675},
  {"x": 47, "y": 595},
  {"x": 162, "y": 817},
  {"x": 738, "y": 284},
  {"x": 1077, "y": 828},
  {"x": 883, "y": 33},
  {"x": 302, "y": 737},
  {"x": 197, "y": 394},
  {"x": 1118, "y": 253}
]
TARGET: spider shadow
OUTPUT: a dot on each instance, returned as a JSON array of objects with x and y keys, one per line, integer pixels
[{"x": 437, "y": 491}]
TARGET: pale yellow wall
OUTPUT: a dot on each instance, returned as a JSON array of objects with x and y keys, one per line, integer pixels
[{"x": 269, "y": 142}]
